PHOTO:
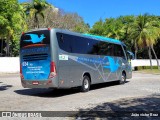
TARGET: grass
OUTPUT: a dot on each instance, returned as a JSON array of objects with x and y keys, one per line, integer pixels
[{"x": 153, "y": 71}]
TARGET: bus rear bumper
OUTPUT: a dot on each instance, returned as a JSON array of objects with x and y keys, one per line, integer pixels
[{"x": 39, "y": 84}]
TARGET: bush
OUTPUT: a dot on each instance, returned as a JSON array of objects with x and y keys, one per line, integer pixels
[{"x": 145, "y": 67}]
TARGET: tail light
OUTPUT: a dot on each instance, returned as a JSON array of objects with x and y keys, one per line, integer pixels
[
  {"x": 21, "y": 75},
  {"x": 53, "y": 72}
]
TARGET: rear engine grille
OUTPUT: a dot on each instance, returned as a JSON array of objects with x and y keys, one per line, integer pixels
[{"x": 35, "y": 57}]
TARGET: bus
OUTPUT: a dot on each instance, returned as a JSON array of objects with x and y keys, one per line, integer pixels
[{"x": 57, "y": 58}]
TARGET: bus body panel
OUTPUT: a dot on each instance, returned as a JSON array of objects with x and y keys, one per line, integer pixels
[{"x": 70, "y": 67}]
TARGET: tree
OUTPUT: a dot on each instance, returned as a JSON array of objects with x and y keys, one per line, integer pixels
[
  {"x": 57, "y": 18},
  {"x": 113, "y": 28},
  {"x": 11, "y": 21},
  {"x": 35, "y": 11},
  {"x": 145, "y": 32},
  {"x": 98, "y": 28}
]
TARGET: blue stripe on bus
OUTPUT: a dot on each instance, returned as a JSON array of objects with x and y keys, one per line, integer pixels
[{"x": 103, "y": 38}]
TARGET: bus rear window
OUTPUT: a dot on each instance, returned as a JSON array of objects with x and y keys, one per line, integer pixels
[{"x": 35, "y": 38}]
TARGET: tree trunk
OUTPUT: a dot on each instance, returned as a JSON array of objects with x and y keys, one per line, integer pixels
[
  {"x": 2, "y": 47},
  {"x": 7, "y": 47},
  {"x": 150, "y": 57},
  {"x": 136, "y": 49},
  {"x": 155, "y": 57},
  {"x": 135, "y": 54}
]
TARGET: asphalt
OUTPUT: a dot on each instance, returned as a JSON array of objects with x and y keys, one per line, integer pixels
[{"x": 139, "y": 98}]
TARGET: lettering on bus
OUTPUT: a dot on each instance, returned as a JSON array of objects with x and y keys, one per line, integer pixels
[{"x": 35, "y": 50}]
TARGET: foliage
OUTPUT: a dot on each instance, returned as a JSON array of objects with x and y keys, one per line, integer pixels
[
  {"x": 11, "y": 21},
  {"x": 35, "y": 12},
  {"x": 98, "y": 28},
  {"x": 138, "y": 32},
  {"x": 16, "y": 17},
  {"x": 56, "y": 18},
  {"x": 145, "y": 67},
  {"x": 145, "y": 33},
  {"x": 123, "y": 28},
  {"x": 116, "y": 28}
]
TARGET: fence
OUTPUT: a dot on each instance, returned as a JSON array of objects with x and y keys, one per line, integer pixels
[{"x": 11, "y": 64}]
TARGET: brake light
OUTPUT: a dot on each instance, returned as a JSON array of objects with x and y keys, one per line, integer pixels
[
  {"x": 21, "y": 75},
  {"x": 53, "y": 72}
]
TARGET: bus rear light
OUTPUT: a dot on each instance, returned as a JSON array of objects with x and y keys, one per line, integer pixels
[
  {"x": 52, "y": 75},
  {"x": 21, "y": 75},
  {"x": 49, "y": 81},
  {"x": 35, "y": 83},
  {"x": 53, "y": 72}
]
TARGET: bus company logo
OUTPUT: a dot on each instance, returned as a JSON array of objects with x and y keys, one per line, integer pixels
[
  {"x": 113, "y": 67},
  {"x": 35, "y": 38}
]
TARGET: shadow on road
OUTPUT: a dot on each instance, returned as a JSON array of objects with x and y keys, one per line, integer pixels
[
  {"x": 4, "y": 87},
  {"x": 103, "y": 85},
  {"x": 59, "y": 92},
  {"x": 46, "y": 92},
  {"x": 146, "y": 108}
]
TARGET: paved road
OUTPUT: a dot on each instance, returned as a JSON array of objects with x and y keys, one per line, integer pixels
[{"x": 135, "y": 93}]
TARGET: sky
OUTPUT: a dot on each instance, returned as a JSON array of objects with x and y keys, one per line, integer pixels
[{"x": 93, "y": 10}]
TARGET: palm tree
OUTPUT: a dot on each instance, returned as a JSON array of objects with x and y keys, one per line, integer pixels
[
  {"x": 145, "y": 32},
  {"x": 113, "y": 28},
  {"x": 35, "y": 10}
]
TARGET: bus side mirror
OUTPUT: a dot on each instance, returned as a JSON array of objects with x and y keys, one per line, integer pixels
[{"x": 130, "y": 55}]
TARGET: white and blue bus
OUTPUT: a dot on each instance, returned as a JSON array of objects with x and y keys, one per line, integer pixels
[{"x": 56, "y": 58}]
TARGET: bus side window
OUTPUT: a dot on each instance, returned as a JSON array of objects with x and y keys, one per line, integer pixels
[
  {"x": 110, "y": 49},
  {"x": 118, "y": 51},
  {"x": 79, "y": 45},
  {"x": 93, "y": 47},
  {"x": 64, "y": 42},
  {"x": 61, "y": 38}
]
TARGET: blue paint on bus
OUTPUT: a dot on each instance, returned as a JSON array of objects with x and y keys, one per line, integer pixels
[
  {"x": 103, "y": 38},
  {"x": 35, "y": 38},
  {"x": 113, "y": 66}
]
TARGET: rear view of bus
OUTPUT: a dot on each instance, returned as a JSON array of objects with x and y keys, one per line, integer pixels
[{"x": 37, "y": 69}]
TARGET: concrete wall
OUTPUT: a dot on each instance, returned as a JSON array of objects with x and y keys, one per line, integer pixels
[
  {"x": 11, "y": 64},
  {"x": 143, "y": 62}
]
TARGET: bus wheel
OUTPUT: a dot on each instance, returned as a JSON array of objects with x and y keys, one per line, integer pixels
[
  {"x": 86, "y": 84},
  {"x": 123, "y": 78}
]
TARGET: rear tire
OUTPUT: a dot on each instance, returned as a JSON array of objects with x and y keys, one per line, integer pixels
[{"x": 85, "y": 84}]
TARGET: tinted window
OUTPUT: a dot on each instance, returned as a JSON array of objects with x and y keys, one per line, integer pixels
[
  {"x": 93, "y": 46},
  {"x": 107, "y": 48},
  {"x": 82, "y": 45},
  {"x": 64, "y": 42},
  {"x": 118, "y": 51},
  {"x": 36, "y": 37}
]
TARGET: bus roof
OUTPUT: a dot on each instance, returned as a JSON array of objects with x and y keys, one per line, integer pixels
[
  {"x": 106, "y": 39},
  {"x": 103, "y": 38},
  {"x": 86, "y": 35}
]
